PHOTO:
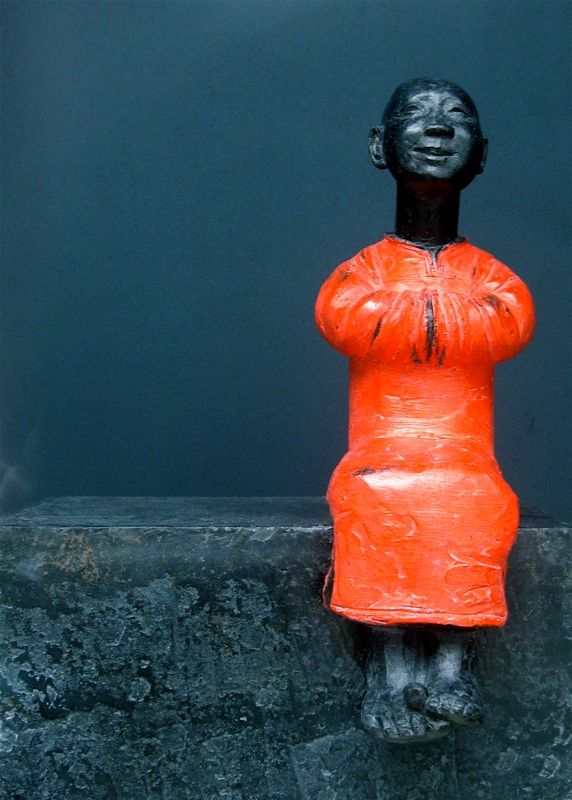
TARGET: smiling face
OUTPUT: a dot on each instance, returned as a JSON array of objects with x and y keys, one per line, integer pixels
[{"x": 431, "y": 133}]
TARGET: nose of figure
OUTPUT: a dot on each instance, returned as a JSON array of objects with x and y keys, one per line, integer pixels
[{"x": 440, "y": 129}]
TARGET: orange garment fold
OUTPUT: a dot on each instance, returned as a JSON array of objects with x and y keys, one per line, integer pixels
[{"x": 423, "y": 519}]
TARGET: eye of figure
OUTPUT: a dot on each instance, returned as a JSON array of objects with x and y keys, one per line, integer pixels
[
  {"x": 410, "y": 108},
  {"x": 460, "y": 110}
]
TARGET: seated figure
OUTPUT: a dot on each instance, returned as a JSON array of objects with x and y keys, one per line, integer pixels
[{"x": 423, "y": 518}]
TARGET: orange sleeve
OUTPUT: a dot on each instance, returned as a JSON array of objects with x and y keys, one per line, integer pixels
[
  {"x": 493, "y": 321},
  {"x": 363, "y": 319}
]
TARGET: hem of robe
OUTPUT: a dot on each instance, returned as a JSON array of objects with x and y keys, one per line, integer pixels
[{"x": 398, "y": 616}]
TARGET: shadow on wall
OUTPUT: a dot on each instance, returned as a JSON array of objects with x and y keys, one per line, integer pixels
[{"x": 17, "y": 474}]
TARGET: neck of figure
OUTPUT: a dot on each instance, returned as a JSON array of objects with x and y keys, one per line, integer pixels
[{"x": 426, "y": 218}]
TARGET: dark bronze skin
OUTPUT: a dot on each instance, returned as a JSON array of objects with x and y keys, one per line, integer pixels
[
  {"x": 431, "y": 142},
  {"x": 421, "y": 679}
]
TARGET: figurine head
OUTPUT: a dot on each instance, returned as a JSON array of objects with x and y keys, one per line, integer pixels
[{"x": 430, "y": 134}]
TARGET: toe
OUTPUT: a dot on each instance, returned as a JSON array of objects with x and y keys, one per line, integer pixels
[
  {"x": 457, "y": 706},
  {"x": 439, "y": 727},
  {"x": 370, "y": 723},
  {"x": 420, "y": 725},
  {"x": 472, "y": 713},
  {"x": 434, "y": 705},
  {"x": 389, "y": 728},
  {"x": 403, "y": 724}
]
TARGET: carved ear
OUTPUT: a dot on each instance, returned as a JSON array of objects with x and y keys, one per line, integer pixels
[
  {"x": 484, "y": 152},
  {"x": 375, "y": 143}
]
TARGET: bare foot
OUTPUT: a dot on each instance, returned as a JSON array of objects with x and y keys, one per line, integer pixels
[
  {"x": 386, "y": 715},
  {"x": 453, "y": 694}
]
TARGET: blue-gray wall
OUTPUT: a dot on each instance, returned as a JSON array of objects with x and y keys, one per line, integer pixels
[{"x": 178, "y": 180}]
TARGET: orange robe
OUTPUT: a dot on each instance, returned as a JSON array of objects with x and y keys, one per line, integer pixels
[{"x": 423, "y": 519}]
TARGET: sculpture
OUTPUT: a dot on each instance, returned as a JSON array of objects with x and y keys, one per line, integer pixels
[{"x": 423, "y": 519}]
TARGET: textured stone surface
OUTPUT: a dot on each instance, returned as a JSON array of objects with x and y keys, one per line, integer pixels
[{"x": 177, "y": 649}]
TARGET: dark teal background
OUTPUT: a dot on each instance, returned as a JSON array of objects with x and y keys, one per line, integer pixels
[{"x": 178, "y": 180}]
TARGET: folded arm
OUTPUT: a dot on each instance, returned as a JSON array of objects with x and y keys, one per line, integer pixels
[{"x": 362, "y": 318}]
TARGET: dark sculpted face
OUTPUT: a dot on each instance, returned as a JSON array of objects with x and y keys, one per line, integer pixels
[{"x": 431, "y": 134}]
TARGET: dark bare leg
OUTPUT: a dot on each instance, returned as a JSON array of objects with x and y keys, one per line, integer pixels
[{"x": 393, "y": 707}]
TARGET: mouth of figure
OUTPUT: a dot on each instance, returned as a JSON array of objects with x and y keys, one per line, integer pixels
[{"x": 434, "y": 152}]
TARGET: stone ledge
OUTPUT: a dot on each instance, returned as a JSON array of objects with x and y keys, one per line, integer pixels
[
  {"x": 176, "y": 648},
  {"x": 195, "y": 512}
]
